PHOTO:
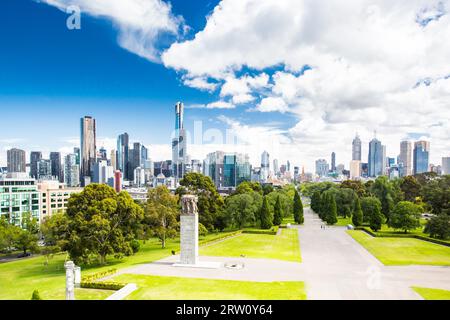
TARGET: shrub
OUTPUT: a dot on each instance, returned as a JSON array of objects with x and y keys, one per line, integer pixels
[
  {"x": 110, "y": 285},
  {"x": 98, "y": 275},
  {"x": 135, "y": 246},
  {"x": 36, "y": 295},
  {"x": 439, "y": 227},
  {"x": 202, "y": 231}
]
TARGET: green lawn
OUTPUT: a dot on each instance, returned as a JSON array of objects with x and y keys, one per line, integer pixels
[
  {"x": 287, "y": 220},
  {"x": 432, "y": 294},
  {"x": 283, "y": 247},
  {"x": 403, "y": 251},
  {"x": 20, "y": 278},
  {"x": 344, "y": 221},
  {"x": 175, "y": 288}
]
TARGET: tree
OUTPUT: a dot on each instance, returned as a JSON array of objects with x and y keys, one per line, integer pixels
[
  {"x": 101, "y": 222},
  {"x": 405, "y": 216},
  {"x": 331, "y": 207},
  {"x": 210, "y": 203},
  {"x": 267, "y": 188},
  {"x": 8, "y": 235},
  {"x": 356, "y": 186},
  {"x": 202, "y": 231},
  {"x": 278, "y": 215},
  {"x": 241, "y": 209},
  {"x": 248, "y": 187},
  {"x": 345, "y": 198},
  {"x": 371, "y": 208},
  {"x": 386, "y": 193},
  {"x": 36, "y": 295},
  {"x": 26, "y": 237},
  {"x": 316, "y": 202},
  {"x": 436, "y": 192},
  {"x": 410, "y": 188},
  {"x": 265, "y": 216},
  {"x": 439, "y": 227},
  {"x": 357, "y": 217},
  {"x": 298, "y": 209},
  {"x": 161, "y": 213}
]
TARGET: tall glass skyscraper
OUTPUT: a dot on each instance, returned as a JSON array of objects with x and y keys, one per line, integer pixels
[
  {"x": 421, "y": 156},
  {"x": 356, "y": 149},
  {"x": 57, "y": 170},
  {"x": 88, "y": 147},
  {"x": 265, "y": 166},
  {"x": 377, "y": 159},
  {"x": 16, "y": 160},
  {"x": 35, "y": 157},
  {"x": 179, "y": 145},
  {"x": 123, "y": 154},
  {"x": 404, "y": 160}
]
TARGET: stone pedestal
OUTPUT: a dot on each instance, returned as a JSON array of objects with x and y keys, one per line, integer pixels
[{"x": 189, "y": 230}]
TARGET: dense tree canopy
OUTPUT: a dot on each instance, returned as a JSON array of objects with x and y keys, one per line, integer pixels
[{"x": 405, "y": 216}]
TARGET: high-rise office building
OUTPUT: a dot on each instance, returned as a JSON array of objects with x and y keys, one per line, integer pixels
[
  {"x": 356, "y": 149},
  {"x": 45, "y": 170},
  {"x": 227, "y": 170},
  {"x": 123, "y": 154},
  {"x": 404, "y": 159},
  {"x": 88, "y": 148},
  {"x": 276, "y": 168},
  {"x": 113, "y": 159},
  {"x": 16, "y": 160},
  {"x": 71, "y": 170},
  {"x": 446, "y": 165},
  {"x": 322, "y": 167},
  {"x": 265, "y": 166},
  {"x": 377, "y": 159},
  {"x": 421, "y": 156},
  {"x": 57, "y": 169},
  {"x": 355, "y": 169},
  {"x": 103, "y": 173},
  {"x": 102, "y": 155},
  {"x": 77, "y": 153},
  {"x": 179, "y": 143},
  {"x": 35, "y": 157},
  {"x": 333, "y": 162}
]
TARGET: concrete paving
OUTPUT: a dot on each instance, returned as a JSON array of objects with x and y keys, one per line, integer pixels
[{"x": 334, "y": 267}]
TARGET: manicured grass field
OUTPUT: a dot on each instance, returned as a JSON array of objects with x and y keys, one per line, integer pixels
[
  {"x": 20, "y": 278},
  {"x": 403, "y": 251},
  {"x": 344, "y": 221},
  {"x": 175, "y": 288},
  {"x": 433, "y": 294},
  {"x": 282, "y": 247}
]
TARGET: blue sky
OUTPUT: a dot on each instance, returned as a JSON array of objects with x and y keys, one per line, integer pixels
[{"x": 252, "y": 57}]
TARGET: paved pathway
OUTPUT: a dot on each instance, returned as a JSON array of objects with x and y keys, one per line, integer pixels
[{"x": 334, "y": 267}]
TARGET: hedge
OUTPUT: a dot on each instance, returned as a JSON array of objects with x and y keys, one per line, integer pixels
[
  {"x": 98, "y": 275},
  {"x": 404, "y": 235},
  {"x": 103, "y": 285},
  {"x": 222, "y": 237},
  {"x": 273, "y": 231}
]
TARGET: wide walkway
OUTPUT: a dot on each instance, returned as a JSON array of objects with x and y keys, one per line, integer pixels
[{"x": 334, "y": 267}]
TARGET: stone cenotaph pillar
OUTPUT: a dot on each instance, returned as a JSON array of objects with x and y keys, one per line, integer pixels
[
  {"x": 189, "y": 230},
  {"x": 70, "y": 280}
]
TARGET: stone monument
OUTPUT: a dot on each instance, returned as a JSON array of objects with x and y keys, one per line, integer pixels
[
  {"x": 189, "y": 230},
  {"x": 70, "y": 280},
  {"x": 189, "y": 236}
]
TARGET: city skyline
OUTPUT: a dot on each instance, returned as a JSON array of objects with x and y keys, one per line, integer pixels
[{"x": 266, "y": 96}]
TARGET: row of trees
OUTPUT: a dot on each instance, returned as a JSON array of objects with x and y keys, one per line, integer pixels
[
  {"x": 99, "y": 222},
  {"x": 398, "y": 203}
]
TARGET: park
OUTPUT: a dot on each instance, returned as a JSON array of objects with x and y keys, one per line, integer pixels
[{"x": 307, "y": 257}]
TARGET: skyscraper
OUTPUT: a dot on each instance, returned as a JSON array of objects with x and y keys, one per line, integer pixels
[
  {"x": 123, "y": 154},
  {"x": 404, "y": 163},
  {"x": 333, "y": 162},
  {"x": 276, "y": 168},
  {"x": 45, "y": 170},
  {"x": 356, "y": 149},
  {"x": 35, "y": 157},
  {"x": 446, "y": 165},
  {"x": 265, "y": 165},
  {"x": 421, "y": 156},
  {"x": 16, "y": 160},
  {"x": 179, "y": 147},
  {"x": 71, "y": 170},
  {"x": 88, "y": 147},
  {"x": 322, "y": 167},
  {"x": 55, "y": 158},
  {"x": 77, "y": 153},
  {"x": 377, "y": 160}
]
